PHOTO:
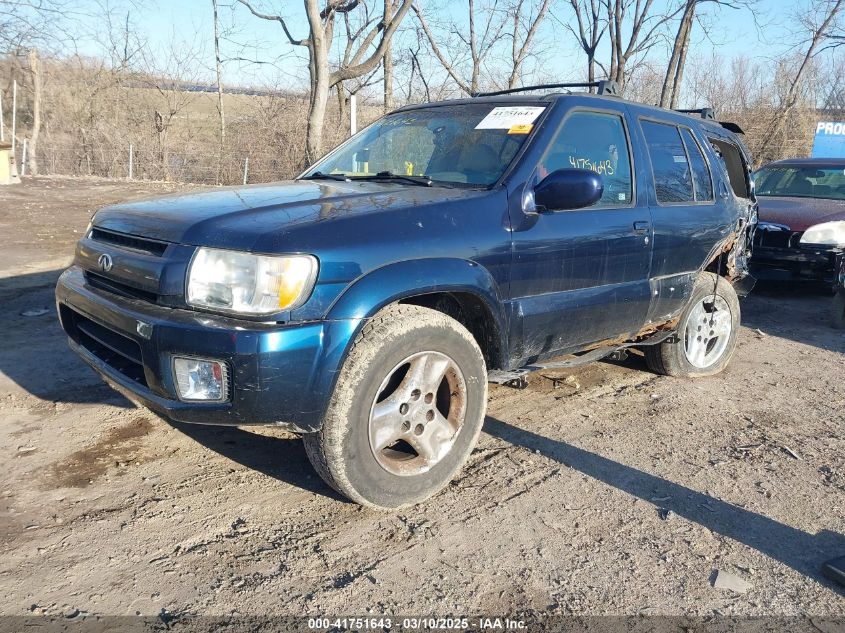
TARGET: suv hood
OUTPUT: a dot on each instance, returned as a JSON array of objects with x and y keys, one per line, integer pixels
[
  {"x": 799, "y": 214},
  {"x": 257, "y": 217}
]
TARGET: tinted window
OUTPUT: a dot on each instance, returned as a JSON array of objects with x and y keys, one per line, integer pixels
[
  {"x": 595, "y": 141},
  {"x": 700, "y": 170},
  {"x": 672, "y": 180}
]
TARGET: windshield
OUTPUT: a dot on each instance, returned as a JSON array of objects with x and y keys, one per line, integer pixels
[
  {"x": 803, "y": 182},
  {"x": 470, "y": 144}
]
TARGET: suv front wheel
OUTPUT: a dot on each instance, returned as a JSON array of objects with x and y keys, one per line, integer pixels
[
  {"x": 706, "y": 334},
  {"x": 406, "y": 411}
]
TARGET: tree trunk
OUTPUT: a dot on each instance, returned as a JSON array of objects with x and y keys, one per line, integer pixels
[
  {"x": 220, "y": 110},
  {"x": 37, "y": 84},
  {"x": 342, "y": 102},
  {"x": 387, "y": 62},
  {"x": 679, "y": 73},
  {"x": 682, "y": 37},
  {"x": 321, "y": 74}
]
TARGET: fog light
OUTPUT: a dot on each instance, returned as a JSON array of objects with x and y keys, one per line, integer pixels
[{"x": 198, "y": 379}]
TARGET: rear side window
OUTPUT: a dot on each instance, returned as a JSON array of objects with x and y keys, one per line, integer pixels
[
  {"x": 595, "y": 141},
  {"x": 672, "y": 177},
  {"x": 700, "y": 171}
]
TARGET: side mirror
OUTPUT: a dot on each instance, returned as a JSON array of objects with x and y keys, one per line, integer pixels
[{"x": 569, "y": 189}]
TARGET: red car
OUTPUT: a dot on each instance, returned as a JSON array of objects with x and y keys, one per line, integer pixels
[{"x": 801, "y": 230}]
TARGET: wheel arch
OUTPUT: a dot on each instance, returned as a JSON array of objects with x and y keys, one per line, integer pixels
[{"x": 461, "y": 289}]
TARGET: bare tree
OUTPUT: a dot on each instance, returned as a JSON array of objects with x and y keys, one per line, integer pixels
[
  {"x": 221, "y": 113},
  {"x": 819, "y": 23},
  {"x": 356, "y": 26},
  {"x": 672, "y": 81},
  {"x": 479, "y": 43},
  {"x": 465, "y": 48},
  {"x": 591, "y": 18},
  {"x": 644, "y": 24},
  {"x": 525, "y": 23},
  {"x": 387, "y": 62},
  {"x": 321, "y": 23},
  {"x": 416, "y": 69},
  {"x": 24, "y": 23},
  {"x": 35, "y": 69},
  {"x": 670, "y": 92}
]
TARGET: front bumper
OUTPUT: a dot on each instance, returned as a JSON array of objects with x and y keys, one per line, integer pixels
[
  {"x": 796, "y": 263},
  {"x": 280, "y": 374}
]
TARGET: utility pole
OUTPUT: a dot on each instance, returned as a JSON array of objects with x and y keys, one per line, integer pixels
[{"x": 14, "y": 113}]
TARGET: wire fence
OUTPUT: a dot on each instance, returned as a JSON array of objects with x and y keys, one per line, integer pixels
[
  {"x": 197, "y": 166},
  {"x": 238, "y": 165}
]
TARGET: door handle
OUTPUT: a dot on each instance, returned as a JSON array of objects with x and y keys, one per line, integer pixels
[{"x": 641, "y": 227}]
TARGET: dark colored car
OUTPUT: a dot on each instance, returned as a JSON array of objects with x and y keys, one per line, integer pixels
[
  {"x": 367, "y": 303},
  {"x": 801, "y": 230}
]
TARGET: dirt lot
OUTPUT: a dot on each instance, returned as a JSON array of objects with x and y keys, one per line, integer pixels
[{"x": 611, "y": 492}]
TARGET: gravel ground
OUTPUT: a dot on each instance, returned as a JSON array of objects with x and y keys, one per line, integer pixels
[{"x": 602, "y": 490}]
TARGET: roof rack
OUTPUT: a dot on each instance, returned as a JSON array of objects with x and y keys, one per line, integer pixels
[
  {"x": 704, "y": 113},
  {"x": 604, "y": 87}
]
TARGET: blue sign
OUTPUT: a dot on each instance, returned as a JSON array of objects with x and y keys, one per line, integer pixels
[{"x": 829, "y": 141}]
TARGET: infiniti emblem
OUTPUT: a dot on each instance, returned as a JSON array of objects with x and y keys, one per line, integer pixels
[{"x": 105, "y": 262}]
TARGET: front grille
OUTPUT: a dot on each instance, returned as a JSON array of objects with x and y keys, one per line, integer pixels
[
  {"x": 110, "y": 285},
  {"x": 777, "y": 239},
  {"x": 113, "y": 348},
  {"x": 142, "y": 244}
]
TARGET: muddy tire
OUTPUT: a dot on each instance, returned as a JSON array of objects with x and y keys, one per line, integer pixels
[
  {"x": 706, "y": 334},
  {"x": 837, "y": 310},
  {"x": 406, "y": 412}
]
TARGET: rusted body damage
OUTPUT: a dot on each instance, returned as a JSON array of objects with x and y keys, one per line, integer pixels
[
  {"x": 737, "y": 247},
  {"x": 729, "y": 258}
]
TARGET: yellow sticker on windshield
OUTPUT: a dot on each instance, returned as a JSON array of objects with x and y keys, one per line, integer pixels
[{"x": 521, "y": 128}]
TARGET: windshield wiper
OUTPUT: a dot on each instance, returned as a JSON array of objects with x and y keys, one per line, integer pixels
[
  {"x": 423, "y": 181},
  {"x": 318, "y": 175}
]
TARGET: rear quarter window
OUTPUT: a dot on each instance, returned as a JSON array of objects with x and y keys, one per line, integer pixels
[
  {"x": 701, "y": 178},
  {"x": 669, "y": 164}
]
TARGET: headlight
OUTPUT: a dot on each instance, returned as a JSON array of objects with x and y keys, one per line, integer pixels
[
  {"x": 828, "y": 233},
  {"x": 243, "y": 283}
]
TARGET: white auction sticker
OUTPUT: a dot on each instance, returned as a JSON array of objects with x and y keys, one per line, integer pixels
[{"x": 507, "y": 117}]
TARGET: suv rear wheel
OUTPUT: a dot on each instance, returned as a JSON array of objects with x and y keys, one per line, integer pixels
[
  {"x": 706, "y": 335},
  {"x": 406, "y": 412}
]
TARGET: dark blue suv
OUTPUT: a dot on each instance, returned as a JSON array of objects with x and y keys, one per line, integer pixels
[{"x": 367, "y": 303}]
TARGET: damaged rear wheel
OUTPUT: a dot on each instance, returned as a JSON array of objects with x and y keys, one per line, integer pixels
[{"x": 707, "y": 331}]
